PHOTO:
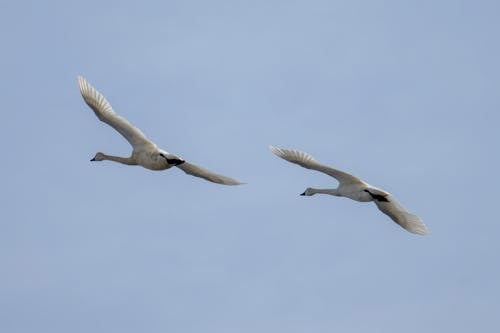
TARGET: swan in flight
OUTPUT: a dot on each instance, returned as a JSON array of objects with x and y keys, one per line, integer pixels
[
  {"x": 354, "y": 188},
  {"x": 145, "y": 153}
]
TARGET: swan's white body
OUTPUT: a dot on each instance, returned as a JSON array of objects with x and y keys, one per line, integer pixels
[
  {"x": 354, "y": 188},
  {"x": 145, "y": 153}
]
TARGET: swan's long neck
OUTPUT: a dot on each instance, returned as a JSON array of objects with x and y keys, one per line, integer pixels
[
  {"x": 123, "y": 160},
  {"x": 330, "y": 191}
]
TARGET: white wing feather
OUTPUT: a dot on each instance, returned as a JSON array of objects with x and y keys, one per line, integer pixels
[
  {"x": 307, "y": 161},
  {"x": 197, "y": 171},
  {"x": 105, "y": 113},
  {"x": 401, "y": 216}
]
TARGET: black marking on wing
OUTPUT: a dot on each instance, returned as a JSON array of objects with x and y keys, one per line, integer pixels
[
  {"x": 173, "y": 161},
  {"x": 378, "y": 197}
]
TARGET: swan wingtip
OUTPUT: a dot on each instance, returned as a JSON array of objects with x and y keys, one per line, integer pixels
[
  {"x": 420, "y": 230},
  {"x": 275, "y": 150},
  {"x": 82, "y": 83}
]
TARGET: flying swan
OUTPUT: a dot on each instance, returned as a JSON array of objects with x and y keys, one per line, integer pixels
[
  {"x": 354, "y": 188},
  {"x": 145, "y": 153}
]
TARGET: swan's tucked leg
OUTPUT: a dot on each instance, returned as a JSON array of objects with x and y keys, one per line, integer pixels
[
  {"x": 377, "y": 197},
  {"x": 172, "y": 160}
]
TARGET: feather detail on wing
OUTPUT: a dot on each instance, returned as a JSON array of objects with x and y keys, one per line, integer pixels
[
  {"x": 105, "y": 113},
  {"x": 401, "y": 216},
  {"x": 197, "y": 171},
  {"x": 307, "y": 161}
]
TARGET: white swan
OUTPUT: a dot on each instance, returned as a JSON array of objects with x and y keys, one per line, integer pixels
[
  {"x": 145, "y": 152},
  {"x": 356, "y": 189}
]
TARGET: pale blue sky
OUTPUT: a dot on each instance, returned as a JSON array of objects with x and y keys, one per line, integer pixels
[{"x": 404, "y": 94}]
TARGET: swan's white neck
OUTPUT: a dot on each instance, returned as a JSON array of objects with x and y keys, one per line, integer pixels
[
  {"x": 123, "y": 160},
  {"x": 330, "y": 191}
]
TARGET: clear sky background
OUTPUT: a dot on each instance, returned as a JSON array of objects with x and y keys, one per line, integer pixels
[{"x": 405, "y": 94}]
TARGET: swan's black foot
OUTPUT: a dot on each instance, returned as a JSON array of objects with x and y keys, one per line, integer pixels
[
  {"x": 174, "y": 161},
  {"x": 377, "y": 197}
]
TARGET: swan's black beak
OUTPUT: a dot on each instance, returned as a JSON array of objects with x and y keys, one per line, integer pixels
[
  {"x": 92, "y": 160},
  {"x": 303, "y": 193}
]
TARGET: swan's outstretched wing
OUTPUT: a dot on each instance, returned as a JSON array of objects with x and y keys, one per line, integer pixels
[
  {"x": 198, "y": 171},
  {"x": 105, "y": 113},
  {"x": 307, "y": 161},
  {"x": 401, "y": 216}
]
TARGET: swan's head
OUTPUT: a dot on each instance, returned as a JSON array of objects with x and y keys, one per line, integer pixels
[
  {"x": 308, "y": 192},
  {"x": 98, "y": 157}
]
